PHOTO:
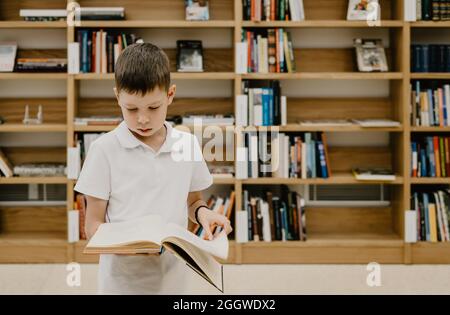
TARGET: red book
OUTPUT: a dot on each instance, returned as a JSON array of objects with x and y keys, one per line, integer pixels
[{"x": 437, "y": 156}]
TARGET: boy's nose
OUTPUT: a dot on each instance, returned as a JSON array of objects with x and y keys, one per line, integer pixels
[{"x": 143, "y": 120}]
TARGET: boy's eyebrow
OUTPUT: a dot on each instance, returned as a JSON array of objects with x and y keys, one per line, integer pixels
[{"x": 154, "y": 103}]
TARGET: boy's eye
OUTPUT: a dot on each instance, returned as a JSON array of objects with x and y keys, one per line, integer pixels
[
  {"x": 132, "y": 109},
  {"x": 154, "y": 107}
]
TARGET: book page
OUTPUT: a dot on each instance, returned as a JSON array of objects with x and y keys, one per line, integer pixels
[
  {"x": 218, "y": 247},
  {"x": 148, "y": 228}
]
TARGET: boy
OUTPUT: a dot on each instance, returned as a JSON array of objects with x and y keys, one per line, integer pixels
[{"x": 131, "y": 172}]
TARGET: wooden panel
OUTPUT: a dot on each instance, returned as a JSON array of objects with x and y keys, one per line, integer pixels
[
  {"x": 13, "y": 109},
  {"x": 33, "y": 248},
  {"x": 327, "y": 251},
  {"x": 430, "y": 253},
  {"x": 33, "y": 219},
  {"x": 343, "y": 159},
  {"x": 162, "y": 9},
  {"x": 349, "y": 220},
  {"x": 19, "y": 155},
  {"x": 214, "y": 60},
  {"x": 180, "y": 106},
  {"x": 337, "y": 9},
  {"x": 331, "y": 60},
  {"x": 338, "y": 108},
  {"x": 10, "y": 9}
]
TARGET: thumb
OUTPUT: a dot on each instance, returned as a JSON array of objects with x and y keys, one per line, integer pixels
[{"x": 208, "y": 233}]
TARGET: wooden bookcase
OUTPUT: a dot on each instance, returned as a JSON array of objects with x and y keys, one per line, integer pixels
[{"x": 336, "y": 235}]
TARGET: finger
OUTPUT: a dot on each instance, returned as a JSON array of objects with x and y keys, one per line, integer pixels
[{"x": 208, "y": 234}]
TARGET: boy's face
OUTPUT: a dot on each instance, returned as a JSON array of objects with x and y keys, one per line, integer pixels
[{"x": 145, "y": 114}]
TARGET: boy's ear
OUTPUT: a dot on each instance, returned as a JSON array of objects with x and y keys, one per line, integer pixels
[
  {"x": 171, "y": 93},
  {"x": 115, "y": 93}
]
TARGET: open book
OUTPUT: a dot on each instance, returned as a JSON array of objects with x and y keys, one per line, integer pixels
[{"x": 151, "y": 234}]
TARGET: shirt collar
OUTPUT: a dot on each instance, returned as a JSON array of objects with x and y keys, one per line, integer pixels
[{"x": 128, "y": 140}]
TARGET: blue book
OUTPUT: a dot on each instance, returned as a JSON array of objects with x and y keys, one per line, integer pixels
[
  {"x": 284, "y": 222},
  {"x": 323, "y": 162},
  {"x": 265, "y": 106},
  {"x": 431, "y": 157},
  {"x": 313, "y": 159},
  {"x": 423, "y": 163},
  {"x": 444, "y": 107},
  {"x": 427, "y": 219},
  {"x": 417, "y": 66},
  {"x": 425, "y": 58},
  {"x": 308, "y": 155},
  {"x": 271, "y": 111},
  {"x": 84, "y": 51}
]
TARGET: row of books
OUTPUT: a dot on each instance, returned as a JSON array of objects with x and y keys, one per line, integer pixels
[
  {"x": 97, "y": 51},
  {"x": 266, "y": 50},
  {"x": 221, "y": 205},
  {"x": 436, "y": 10},
  {"x": 430, "y": 104},
  {"x": 273, "y": 10},
  {"x": 279, "y": 155},
  {"x": 276, "y": 215},
  {"x": 432, "y": 211},
  {"x": 80, "y": 14},
  {"x": 76, "y": 155},
  {"x": 430, "y": 58},
  {"x": 41, "y": 65},
  {"x": 430, "y": 157},
  {"x": 261, "y": 104},
  {"x": 42, "y": 169}
]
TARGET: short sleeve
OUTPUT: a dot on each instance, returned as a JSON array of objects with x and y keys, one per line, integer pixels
[
  {"x": 201, "y": 177},
  {"x": 95, "y": 176}
]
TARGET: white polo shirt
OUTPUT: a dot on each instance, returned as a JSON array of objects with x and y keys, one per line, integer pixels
[{"x": 138, "y": 181}]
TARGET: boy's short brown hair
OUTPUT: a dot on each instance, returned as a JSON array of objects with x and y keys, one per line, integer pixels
[{"x": 142, "y": 67}]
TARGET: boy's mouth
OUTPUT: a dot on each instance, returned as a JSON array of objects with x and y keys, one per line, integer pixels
[{"x": 144, "y": 130}]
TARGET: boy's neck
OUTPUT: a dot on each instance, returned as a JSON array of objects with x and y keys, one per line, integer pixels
[{"x": 154, "y": 141}]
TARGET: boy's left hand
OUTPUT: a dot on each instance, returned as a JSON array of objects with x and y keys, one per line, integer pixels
[{"x": 209, "y": 219}]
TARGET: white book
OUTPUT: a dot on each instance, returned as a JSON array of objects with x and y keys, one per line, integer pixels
[
  {"x": 150, "y": 234},
  {"x": 116, "y": 52},
  {"x": 241, "y": 157},
  {"x": 275, "y": 160},
  {"x": 410, "y": 9},
  {"x": 43, "y": 13},
  {"x": 267, "y": 237},
  {"x": 258, "y": 115},
  {"x": 8, "y": 51},
  {"x": 73, "y": 54},
  {"x": 301, "y": 10},
  {"x": 251, "y": 116},
  {"x": 446, "y": 222},
  {"x": 73, "y": 162},
  {"x": 242, "y": 226},
  {"x": 241, "y": 110},
  {"x": 286, "y": 156},
  {"x": 410, "y": 226},
  {"x": 283, "y": 110},
  {"x": 369, "y": 123},
  {"x": 73, "y": 231},
  {"x": 241, "y": 58},
  {"x": 295, "y": 16},
  {"x": 253, "y": 150},
  {"x": 265, "y": 56}
]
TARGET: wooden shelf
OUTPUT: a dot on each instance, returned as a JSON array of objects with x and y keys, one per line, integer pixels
[
  {"x": 431, "y": 24},
  {"x": 104, "y": 128},
  {"x": 355, "y": 128},
  {"x": 36, "y": 247},
  {"x": 430, "y": 180},
  {"x": 173, "y": 75},
  {"x": 321, "y": 24},
  {"x": 336, "y": 179},
  {"x": 157, "y": 24},
  {"x": 325, "y": 76},
  {"x": 33, "y": 25},
  {"x": 431, "y": 76},
  {"x": 430, "y": 253},
  {"x": 430, "y": 129},
  {"x": 331, "y": 248},
  {"x": 33, "y": 128},
  {"x": 33, "y": 180},
  {"x": 32, "y": 76},
  {"x": 223, "y": 181}
]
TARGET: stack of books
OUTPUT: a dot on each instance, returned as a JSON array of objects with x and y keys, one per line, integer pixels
[
  {"x": 41, "y": 65},
  {"x": 430, "y": 156},
  {"x": 273, "y": 10}
]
